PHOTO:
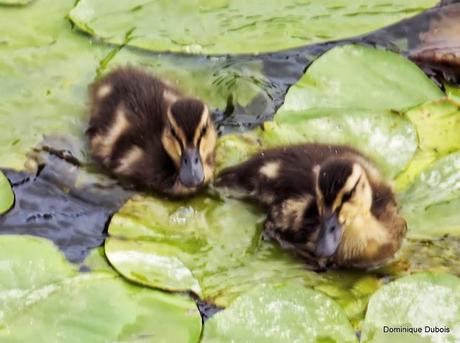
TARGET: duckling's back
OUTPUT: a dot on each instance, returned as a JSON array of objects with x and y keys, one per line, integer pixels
[
  {"x": 126, "y": 120},
  {"x": 277, "y": 174}
]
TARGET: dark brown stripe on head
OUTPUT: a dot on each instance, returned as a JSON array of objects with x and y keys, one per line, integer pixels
[
  {"x": 332, "y": 177},
  {"x": 187, "y": 115}
]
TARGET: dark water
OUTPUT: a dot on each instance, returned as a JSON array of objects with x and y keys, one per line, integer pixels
[{"x": 72, "y": 206}]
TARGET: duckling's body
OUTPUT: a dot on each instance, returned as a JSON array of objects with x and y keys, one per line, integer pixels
[
  {"x": 143, "y": 129},
  {"x": 325, "y": 201}
]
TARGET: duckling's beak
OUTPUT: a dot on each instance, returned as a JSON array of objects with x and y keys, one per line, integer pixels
[
  {"x": 329, "y": 236},
  {"x": 191, "y": 173}
]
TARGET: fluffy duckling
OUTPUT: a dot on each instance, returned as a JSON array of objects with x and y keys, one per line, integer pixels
[
  {"x": 143, "y": 129},
  {"x": 327, "y": 202}
]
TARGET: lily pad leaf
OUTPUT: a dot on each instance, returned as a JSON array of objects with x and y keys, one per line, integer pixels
[
  {"x": 45, "y": 299},
  {"x": 143, "y": 262},
  {"x": 212, "y": 246},
  {"x": 213, "y": 80},
  {"x": 287, "y": 313},
  {"x": 453, "y": 92},
  {"x": 15, "y": 2},
  {"x": 174, "y": 244},
  {"x": 235, "y": 26},
  {"x": 6, "y": 194},
  {"x": 32, "y": 48},
  {"x": 355, "y": 76},
  {"x": 417, "y": 301},
  {"x": 378, "y": 134},
  {"x": 430, "y": 204},
  {"x": 437, "y": 124}
]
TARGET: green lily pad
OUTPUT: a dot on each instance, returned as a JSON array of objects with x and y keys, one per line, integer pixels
[
  {"x": 173, "y": 244},
  {"x": 219, "y": 27},
  {"x": 44, "y": 299},
  {"x": 434, "y": 255},
  {"x": 45, "y": 70},
  {"x": 377, "y": 133},
  {"x": 6, "y": 194},
  {"x": 437, "y": 124},
  {"x": 415, "y": 301},
  {"x": 359, "y": 77},
  {"x": 214, "y": 80},
  {"x": 430, "y": 204},
  {"x": 15, "y": 2},
  {"x": 96, "y": 261},
  {"x": 201, "y": 245},
  {"x": 286, "y": 313},
  {"x": 453, "y": 92},
  {"x": 32, "y": 48}
]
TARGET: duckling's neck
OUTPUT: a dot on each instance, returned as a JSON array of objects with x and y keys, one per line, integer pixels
[{"x": 365, "y": 241}]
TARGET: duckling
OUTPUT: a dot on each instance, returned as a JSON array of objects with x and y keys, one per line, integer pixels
[
  {"x": 143, "y": 129},
  {"x": 327, "y": 202}
]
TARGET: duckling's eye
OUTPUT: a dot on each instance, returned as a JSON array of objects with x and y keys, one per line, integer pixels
[
  {"x": 203, "y": 130},
  {"x": 174, "y": 133},
  {"x": 347, "y": 196}
]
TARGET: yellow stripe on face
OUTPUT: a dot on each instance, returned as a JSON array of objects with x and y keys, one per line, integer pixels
[
  {"x": 356, "y": 174},
  {"x": 180, "y": 133},
  {"x": 203, "y": 122}
]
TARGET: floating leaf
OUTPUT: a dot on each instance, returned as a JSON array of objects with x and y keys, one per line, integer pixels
[
  {"x": 219, "y": 27},
  {"x": 173, "y": 244},
  {"x": 437, "y": 124},
  {"x": 377, "y": 133},
  {"x": 201, "y": 245},
  {"x": 15, "y": 2},
  {"x": 44, "y": 299},
  {"x": 453, "y": 92},
  {"x": 214, "y": 80},
  {"x": 45, "y": 70},
  {"x": 6, "y": 194},
  {"x": 435, "y": 255},
  {"x": 430, "y": 204},
  {"x": 359, "y": 77},
  {"x": 47, "y": 65},
  {"x": 285, "y": 313},
  {"x": 416, "y": 301}
]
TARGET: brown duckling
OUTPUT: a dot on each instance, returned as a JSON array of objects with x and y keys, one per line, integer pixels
[
  {"x": 328, "y": 202},
  {"x": 144, "y": 129}
]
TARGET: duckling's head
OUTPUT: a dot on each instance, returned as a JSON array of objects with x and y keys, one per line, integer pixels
[
  {"x": 189, "y": 138},
  {"x": 344, "y": 196}
]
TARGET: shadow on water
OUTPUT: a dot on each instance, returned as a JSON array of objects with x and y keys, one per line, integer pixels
[{"x": 71, "y": 205}]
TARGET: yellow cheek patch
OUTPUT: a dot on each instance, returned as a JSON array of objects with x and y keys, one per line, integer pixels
[
  {"x": 207, "y": 148},
  {"x": 172, "y": 147}
]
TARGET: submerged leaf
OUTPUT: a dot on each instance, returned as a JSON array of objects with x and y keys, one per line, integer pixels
[
  {"x": 285, "y": 313},
  {"x": 219, "y": 27},
  {"x": 416, "y": 301},
  {"x": 44, "y": 299},
  {"x": 6, "y": 194}
]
